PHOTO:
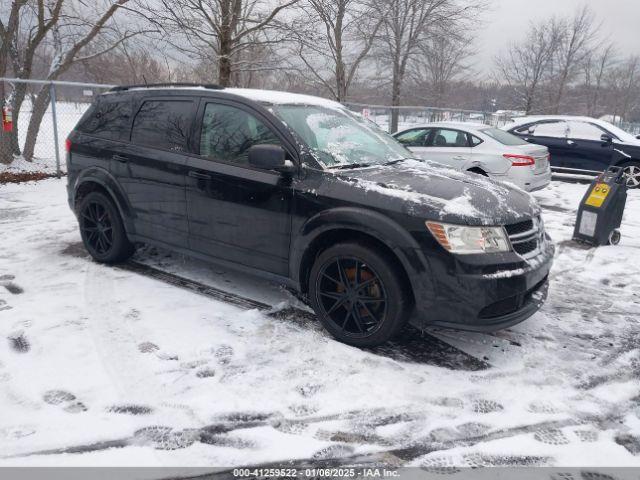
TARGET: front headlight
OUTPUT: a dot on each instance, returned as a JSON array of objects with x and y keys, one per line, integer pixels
[{"x": 465, "y": 240}]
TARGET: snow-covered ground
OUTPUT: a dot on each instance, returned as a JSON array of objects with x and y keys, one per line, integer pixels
[{"x": 102, "y": 366}]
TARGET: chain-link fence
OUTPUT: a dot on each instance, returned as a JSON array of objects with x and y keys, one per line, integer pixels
[
  {"x": 411, "y": 116},
  {"x": 37, "y": 117},
  {"x": 408, "y": 117}
]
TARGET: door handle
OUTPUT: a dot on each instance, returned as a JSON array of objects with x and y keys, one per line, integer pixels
[
  {"x": 120, "y": 158},
  {"x": 198, "y": 175},
  {"x": 571, "y": 142}
]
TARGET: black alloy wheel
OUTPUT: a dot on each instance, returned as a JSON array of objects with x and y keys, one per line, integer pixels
[
  {"x": 102, "y": 230},
  {"x": 359, "y": 294},
  {"x": 97, "y": 227},
  {"x": 352, "y": 296}
]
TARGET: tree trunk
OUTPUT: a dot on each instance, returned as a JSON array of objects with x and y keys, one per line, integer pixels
[
  {"x": 395, "y": 100},
  {"x": 6, "y": 152},
  {"x": 39, "y": 109}
]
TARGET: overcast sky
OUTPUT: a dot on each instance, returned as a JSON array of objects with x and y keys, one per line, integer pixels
[{"x": 507, "y": 20}]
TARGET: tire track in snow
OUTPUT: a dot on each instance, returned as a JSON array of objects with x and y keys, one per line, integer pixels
[{"x": 410, "y": 346}]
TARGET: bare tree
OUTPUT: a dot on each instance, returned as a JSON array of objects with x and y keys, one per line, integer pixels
[
  {"x": 216, "y": 31},
  {"x": 332, "y": 38},
  {"x": 29, "y": 24},
  {"x": 595, "y": 66},
  {"x": 625, "y": 84},
  {"x": 8, "y": 38},
  {"x": 575, "y": 43},
  {"x": 442, "y": 61},
  {"x": 526, "y": 65},
  {"x": 69, "y": 37},
  {"x": 406, "y": 25}
]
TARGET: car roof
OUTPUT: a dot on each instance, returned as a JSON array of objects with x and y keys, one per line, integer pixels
[
  {"x": 517, "y": 121},
  {"x": 270, "y": 97}
]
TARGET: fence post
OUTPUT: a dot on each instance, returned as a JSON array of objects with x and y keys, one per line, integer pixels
[{"x": 54, "y": 119}]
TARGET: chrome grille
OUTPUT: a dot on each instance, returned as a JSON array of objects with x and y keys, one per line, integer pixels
[{"x": 526, "y": 237}]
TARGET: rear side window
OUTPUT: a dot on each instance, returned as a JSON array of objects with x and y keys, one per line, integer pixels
[
  {"x": 109, "y": 118},
  {"x": 450, "y": 138},
  {"x": 164, "y": 124},
  {"x": 558, "y": 129}
]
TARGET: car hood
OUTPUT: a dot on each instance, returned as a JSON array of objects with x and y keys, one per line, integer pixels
[{"x": 436, "y": 192}]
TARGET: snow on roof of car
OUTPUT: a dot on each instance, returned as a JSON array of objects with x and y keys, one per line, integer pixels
[
  {"x": 276, "y": 97},
  {"x": 517, "y": 121}
]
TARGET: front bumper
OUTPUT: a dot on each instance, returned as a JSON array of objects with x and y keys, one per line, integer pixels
[{"x": 479, "y": 301}]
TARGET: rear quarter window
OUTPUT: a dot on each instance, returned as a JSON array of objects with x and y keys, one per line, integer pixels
[{"x": 108, "y": 118}]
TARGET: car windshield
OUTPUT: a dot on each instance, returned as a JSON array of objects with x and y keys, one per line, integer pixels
[
  {"x": 618, "y": 132},
  {"x": 503, "y": 137},
  {"x": 339, "y": 138}
]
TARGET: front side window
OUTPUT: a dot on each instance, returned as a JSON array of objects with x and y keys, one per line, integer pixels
[
  {"x": 449, "y": 138},
  {"x": 228, "y": 133},
  {"x": 338, "y": 138},
  {"x": 110, "y": 118},
  {"x": 163, "y": 124},
  {"x": 584, "y": 131},
  {"x": 413, "y": 138}
]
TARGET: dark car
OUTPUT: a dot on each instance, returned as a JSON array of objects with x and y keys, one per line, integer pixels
[
  {"x": 300, "y": 191},
  {"x": 582, "y": 145}
]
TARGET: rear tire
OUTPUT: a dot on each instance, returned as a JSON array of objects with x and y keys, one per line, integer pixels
[
  {"x": 632, "y": 172},
  {"x": 102, "y": 230},
  {"x": 359, "y": 295}
]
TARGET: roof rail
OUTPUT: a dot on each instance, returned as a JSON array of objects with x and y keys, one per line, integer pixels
[{"x": 212, "y": 86}]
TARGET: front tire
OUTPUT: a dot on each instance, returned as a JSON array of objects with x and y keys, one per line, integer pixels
[
  {"x": 632, "y": 174},
  {"x": 102, "y": 230},
  {"x": 359, "y": 295}
]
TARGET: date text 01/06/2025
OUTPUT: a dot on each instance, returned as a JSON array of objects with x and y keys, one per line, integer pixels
[{"x": 316, "y": 472}]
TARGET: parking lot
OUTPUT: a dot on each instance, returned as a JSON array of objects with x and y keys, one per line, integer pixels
[{"x": 149, "y": 365}]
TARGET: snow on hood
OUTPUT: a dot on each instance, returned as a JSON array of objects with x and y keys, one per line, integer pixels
[{"x": 439, "y": 193}]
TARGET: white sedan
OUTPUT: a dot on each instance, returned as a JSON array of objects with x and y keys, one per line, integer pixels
[{"x": 481, "y": 149}]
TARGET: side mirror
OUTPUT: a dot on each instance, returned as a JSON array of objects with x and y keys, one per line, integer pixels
[
  {"x": 638, "y": 137},
  {"x": 606, "y": 138},
  {"x": 269, "y": 157}
]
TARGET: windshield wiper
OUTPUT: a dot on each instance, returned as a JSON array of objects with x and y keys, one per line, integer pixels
[
  {"x": 393, "y": 162},
  {"x": 349, "y": 165}
]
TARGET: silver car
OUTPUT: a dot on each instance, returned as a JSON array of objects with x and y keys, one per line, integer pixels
[{"x": 481, "y": 149}]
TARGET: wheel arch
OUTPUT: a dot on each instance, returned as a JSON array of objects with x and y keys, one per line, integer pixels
[
  {"x": 624, "y": 160},
  {"x": 98, "y": 179},
  {"x": 348, "y": 224}
]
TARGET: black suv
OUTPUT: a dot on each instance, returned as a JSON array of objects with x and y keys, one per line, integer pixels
[{"x": 301, "y": 191}]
